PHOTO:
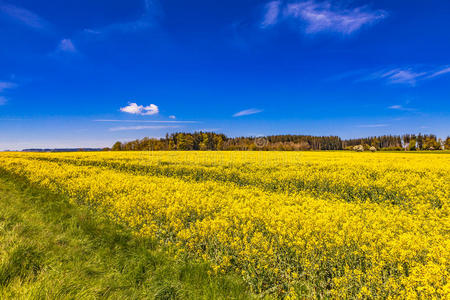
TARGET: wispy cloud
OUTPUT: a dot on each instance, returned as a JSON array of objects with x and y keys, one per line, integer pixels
[
  {"x": 208, "y": 129},
  {"x": 400, "y": 107},
  {"x": 135, "y": 109},
  {"x": 247, "y": 112},
  {"x": 144, "y": 121},
  {"x": 316, "y": 17},
  {"x": 23, "y": 16},
  {"x": 124, "y": 128},
  {"x": 271, "y": 14},
  {"x": 373, "y": 125},
  {"x": 172, "y": 117},
  {"x": 146, "y": 20},
  {"x": 66, "y": 45},
  {"x": 349, "y": 74},
  {"x": 406, "y": 75},
  {"x": 4, "y": 85},
  {"x": 402, "y": 76},
  {"x": 7, "y": 85},
  {"x": 443, "y": 71}
]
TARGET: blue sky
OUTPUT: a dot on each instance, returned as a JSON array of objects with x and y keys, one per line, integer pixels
[{"x": 88, "y": 73}]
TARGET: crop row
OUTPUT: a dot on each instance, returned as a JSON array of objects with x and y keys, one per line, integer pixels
[
  {"x": 285, "y": 243},
  {"x": 354, "y": 179}
]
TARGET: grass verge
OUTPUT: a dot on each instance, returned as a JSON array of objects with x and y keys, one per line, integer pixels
[{"x": 51, "y": 249}]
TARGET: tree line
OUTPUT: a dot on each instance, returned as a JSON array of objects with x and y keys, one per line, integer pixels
[{"x": 214, "y": 141}]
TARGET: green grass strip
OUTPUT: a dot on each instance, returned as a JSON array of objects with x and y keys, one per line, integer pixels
[{"x": 50, "y": 249}]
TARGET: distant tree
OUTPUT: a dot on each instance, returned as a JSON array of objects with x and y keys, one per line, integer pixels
[
  {"x": 214, "y": 141},
  {"x": 303, "y": 146},
  {"x": 375, "y": 143},
  {"x": 412, "y": 145},
  {"x": 185, "y": 141},
  {"x": 204, "y": 144},
  {"x": 171, "y": 145},
  {"x": 419, "y": 142},
  {"x": 117, "y": 146},
  {"x": 430, "y": 143},
  {"x": 447, "y": 143},
  {"x": 218, "y": 141}
]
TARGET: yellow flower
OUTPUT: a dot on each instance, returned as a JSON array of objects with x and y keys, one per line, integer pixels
[{"x": 348, "y": 224}]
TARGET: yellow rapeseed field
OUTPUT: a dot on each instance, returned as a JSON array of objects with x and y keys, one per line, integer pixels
[{"x": 293, "y": 224}]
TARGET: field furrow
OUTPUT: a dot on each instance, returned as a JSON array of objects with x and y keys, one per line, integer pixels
[{"x": 398, "y": 183}]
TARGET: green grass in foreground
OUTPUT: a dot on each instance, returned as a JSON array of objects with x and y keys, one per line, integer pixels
[{"x": 50, "y": 249}]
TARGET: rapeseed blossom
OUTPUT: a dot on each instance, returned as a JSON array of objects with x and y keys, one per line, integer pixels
[{"x": 329, "y": 224}]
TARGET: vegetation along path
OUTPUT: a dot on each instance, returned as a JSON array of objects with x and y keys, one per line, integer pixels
[{"x": 50, "y": 249}]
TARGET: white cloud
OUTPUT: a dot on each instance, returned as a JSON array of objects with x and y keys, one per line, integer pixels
[
  {"x": 23, "y": 16},
  {"x": 3, "y": 100},
  {"x": 66, "y": 45},
  {"x": 317, "y": 17},
  {"x": 247, "y": 112},
  {"x": 133, "y": 108},
  {"x": 400, "y": 107},
  {"x": 172, "y": 117},
  {"x": 271, "y": 15},
  {"x": 6, "y": 85},
  {"x": 408, "y": 75},
  {"x": 439, "y": 73},
  {"x": 142, "y": 121},
  {"x": 123, "y": 128}
]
